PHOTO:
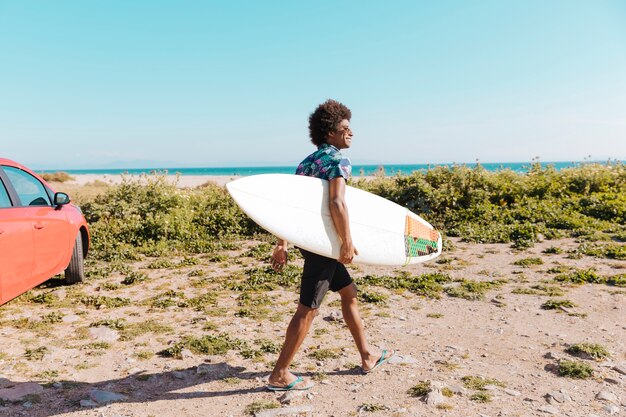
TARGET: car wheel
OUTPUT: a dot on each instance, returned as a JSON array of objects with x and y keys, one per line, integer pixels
[{"x": 75, "y": 271}]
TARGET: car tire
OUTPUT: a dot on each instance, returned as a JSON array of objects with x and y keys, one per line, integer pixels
[{"x": 75, "y": 271}]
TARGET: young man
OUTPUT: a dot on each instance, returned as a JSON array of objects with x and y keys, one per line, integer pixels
[{"x": 329, "y": 129}]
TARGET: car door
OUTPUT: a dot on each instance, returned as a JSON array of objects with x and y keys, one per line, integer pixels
[
  {"x": 50, "y": 226},
  {"x": 16, "y": 247}
]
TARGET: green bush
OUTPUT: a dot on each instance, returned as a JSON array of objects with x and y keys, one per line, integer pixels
[
  {"x": 150, "y": 217},
  {"x": 505, "y": 206},
  {"x": 154, "y": 217}
]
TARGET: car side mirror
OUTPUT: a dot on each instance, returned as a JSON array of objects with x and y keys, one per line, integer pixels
[{"x": 61, "y": 199}]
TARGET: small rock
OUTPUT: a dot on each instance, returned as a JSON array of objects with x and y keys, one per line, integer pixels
[
  {"x": 458, "y": 389},
  {"x": 611, "y": 409},
  {"x": 355, "y": 387},
  {"x": 607, "y": 396},
  {"x": 178, "y": 375},
  {"x": 20, "y": 391},
  {"x": 559, "y": 397},
  {"x": 70, "y": 318},
  {"x": 334, "y": 316},
  {"x": 88, "y": 403},
  {"x": 613, "y": 381},
  {"x": 186, "y": 354},
  {"x": 310, "y": 395},
  {"x": 27, "y": 404},
  {"x": 58, "y": 385},
  {"x": 287, "y": 397},
  {"x": 103, "y": 334},
  {"x": 434, "y": 397},
  {"x": 490, "y": 388},
  {"x": 548, "y": 409},
  {"x": 512, "y": 392},
  {"x": 103, "y": 397},
  {"x": 620, "y": 368}
]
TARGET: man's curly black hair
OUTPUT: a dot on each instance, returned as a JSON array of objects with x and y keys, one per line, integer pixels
[{"x": 325, "y": 118}]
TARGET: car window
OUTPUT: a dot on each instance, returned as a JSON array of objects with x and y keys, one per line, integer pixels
[
  {"x": 5, "y": 201},
  {"x": 29, "y": 189}
]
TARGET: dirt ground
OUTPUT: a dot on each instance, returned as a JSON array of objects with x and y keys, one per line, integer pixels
[{"x": 71, "y": 348}]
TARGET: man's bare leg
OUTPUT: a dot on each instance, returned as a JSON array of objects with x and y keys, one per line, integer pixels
[
  {"x": 350, "y": 309},
  {"x": 297, "y": 330}
]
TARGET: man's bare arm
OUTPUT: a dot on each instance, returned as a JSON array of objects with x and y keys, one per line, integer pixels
[
  {"x": 279, "y": 256},
  {"x": 341, "y": 220}
]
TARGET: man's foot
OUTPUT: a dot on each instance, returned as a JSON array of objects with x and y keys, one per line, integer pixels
[
  {"x": 298, "y": 384},
  {"x": 384, "y": 358}
]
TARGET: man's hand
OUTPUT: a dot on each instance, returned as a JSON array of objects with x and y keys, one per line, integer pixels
[
  {"x": 347, "y": 253},
  {"x": 279, "y": 256}
]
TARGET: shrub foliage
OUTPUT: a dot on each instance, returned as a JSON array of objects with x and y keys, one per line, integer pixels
[
  {"x": 505, "y": 206},
  {"x": 151, "y": 217}
]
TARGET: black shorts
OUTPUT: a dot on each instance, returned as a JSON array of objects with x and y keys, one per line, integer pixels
[{"x": 321, "y": 274}]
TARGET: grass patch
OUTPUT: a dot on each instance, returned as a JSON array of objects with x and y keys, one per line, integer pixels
[
  {"x": 205, "y": 345},
  {"x": 428, "y": 285},
  {"x": 268, "y": 346},
  {"x": 557, "y": 304},
  {"x": 100, "y": 301},
  {"x": 45, "y": 298},
  {"x": 133, "y": 330},
  {"x": 473, "y": 290},
  {"x": 575, "y": 369},
  {"x": 372, "y": 408},
  {"x": 526, "y": 262},
  {"x": 617, "y": 280},
  {"x": 266, "y": 279},
  {"x": 144, "y": 355},
  {"x": 35, "y": 354},
  {"x": 552, "y": 250},
  {"x": 434, "y": 315},
  {"x": 372, "y": 297},
  {"x": 581, "y": 276},
  {"x": 559, "y": 269},
  {"x": 481, "y": 397},
  {"x": 116, "y": 324},
  {"x": 323, "y": 354},
  {"x": 420, "y": 389},
  {"x": 590, "y": 350},
  {"x": 134, "y": 277},
  {"x": 540, "y": 289},
  {"x": 610, "y": 251},
  {"x": 479, "y": 383},
  {"x": 258, "y": 406}
]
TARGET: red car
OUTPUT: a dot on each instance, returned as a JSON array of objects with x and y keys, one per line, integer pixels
[{"x": 41, "y": 233}]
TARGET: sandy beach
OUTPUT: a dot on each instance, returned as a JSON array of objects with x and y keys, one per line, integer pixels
[{"x": 485, "y": 330}]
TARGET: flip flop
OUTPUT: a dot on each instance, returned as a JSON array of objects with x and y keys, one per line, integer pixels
[
  {"x": 291, "y": 387},
  {"x": 384, "y": 357}
]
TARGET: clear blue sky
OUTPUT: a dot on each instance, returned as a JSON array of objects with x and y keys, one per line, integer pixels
[{"x": 231, "y": 83}]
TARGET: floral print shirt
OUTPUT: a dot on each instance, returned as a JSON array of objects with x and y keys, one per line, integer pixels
[{"x": 326, "y": 163}]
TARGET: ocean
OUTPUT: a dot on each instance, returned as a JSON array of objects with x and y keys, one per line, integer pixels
[{"x": 357, "y": 170}]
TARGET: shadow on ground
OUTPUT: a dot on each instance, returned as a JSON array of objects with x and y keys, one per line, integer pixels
[{"x": 139, "y": 387}]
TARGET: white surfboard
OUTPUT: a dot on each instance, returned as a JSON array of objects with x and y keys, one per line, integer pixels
[{"x": 295, "y": 208}]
